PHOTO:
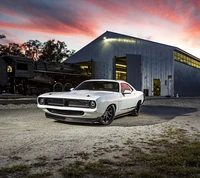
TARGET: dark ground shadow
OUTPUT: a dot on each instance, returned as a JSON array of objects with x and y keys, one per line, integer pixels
[{"x": 149, "y": 115}]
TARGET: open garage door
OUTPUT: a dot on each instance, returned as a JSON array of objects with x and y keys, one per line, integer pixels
[
  {"x": 133, "y": 68},
  {"x": 86, "y": 67},
  {"x": 120, "y": 68}
]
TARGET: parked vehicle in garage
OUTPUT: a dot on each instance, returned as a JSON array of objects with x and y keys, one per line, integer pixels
[{"x": 94, "y": 100}]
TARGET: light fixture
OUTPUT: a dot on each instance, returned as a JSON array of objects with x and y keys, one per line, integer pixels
[
  {"x": 41, "y": 101},
  {"x": 125, "y": 40},
  {"x": 120, "y": 65},
  {"x": 92, "y": 104},
  {"x": 122, "y": 72}
]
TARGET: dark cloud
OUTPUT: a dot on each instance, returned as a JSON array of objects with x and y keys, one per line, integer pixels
[
  {"x": 183, "y": 13},
  {"x": 89, "y": 17},
  {"x": 61, "y": 17},
  {"x": 85, "y": 16}
]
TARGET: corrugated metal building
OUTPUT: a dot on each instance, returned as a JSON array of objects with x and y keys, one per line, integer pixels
[{"x": 157, "y": 69}]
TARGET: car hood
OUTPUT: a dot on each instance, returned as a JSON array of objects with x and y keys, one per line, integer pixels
[{"x": 78, "y": 94}]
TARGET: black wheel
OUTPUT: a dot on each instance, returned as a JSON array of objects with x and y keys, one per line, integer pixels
[
  {"x": 108, "y": 116},
  {"x": 136, "y": 111}
]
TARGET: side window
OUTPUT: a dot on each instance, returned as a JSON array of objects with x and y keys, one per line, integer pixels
[{"x": 125, "y": 86}]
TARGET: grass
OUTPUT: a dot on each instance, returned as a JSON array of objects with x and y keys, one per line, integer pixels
[
  {"x": 170, "y": 156},
  {"x": 15, "y": 171},
  {"x": 39, "y": 164},
  {"x": 181, "y": 160},
  {"x": 178, "y": 160},
  {"x": 174, "y": 133},
  {"x": 128, "y": 142},
  {"x": 73, "y": 170},
  {"x": 83, "y": 155},
  {"x": 15, "y": 158},
  {"x": 40, "y": 175}
]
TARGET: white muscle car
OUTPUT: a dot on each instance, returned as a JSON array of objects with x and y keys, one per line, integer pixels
[{"x": 93, "y": 100}]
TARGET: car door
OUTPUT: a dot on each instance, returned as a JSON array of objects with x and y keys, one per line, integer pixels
[{"x": 128, "y": 99}]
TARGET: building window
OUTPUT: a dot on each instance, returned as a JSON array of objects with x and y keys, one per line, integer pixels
[{"x": 186, "y": 59}]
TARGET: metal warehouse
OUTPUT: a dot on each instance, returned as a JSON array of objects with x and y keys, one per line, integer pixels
[{"x": 156, "y": 69}]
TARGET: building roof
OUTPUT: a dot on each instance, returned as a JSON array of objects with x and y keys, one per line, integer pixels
[{"x": 112, "y": 35}]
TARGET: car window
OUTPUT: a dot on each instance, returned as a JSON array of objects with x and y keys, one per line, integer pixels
[
  {"x": 84, "y": 86},
  {"x": 125, "y": 86},
  {"x": 99, "y": 85}
]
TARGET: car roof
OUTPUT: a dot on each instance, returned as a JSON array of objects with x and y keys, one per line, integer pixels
[{"x": 107, "y": 80}]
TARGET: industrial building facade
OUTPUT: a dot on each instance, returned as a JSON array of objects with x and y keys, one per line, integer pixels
[{"x": 156, "y": 69}]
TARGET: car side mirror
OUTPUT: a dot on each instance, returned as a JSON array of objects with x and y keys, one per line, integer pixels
[
  {"x": 126, "y": 92},
  {"x": 71, "y": 89}
]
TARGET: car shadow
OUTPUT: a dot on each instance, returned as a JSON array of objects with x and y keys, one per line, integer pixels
[
  {"x": 149, "y": 115},
  {"x": 79, "y": 123}
]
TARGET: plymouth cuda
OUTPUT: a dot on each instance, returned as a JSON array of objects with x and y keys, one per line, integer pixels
[{"x": 95, "y": 100}]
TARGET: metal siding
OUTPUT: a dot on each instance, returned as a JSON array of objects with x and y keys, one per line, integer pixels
[
  {"x": 134, "y": 73},
  {"x": 187, "y": 80},
  {"x": 157, "y": 59},
  {"x": 157, "y": 63}
]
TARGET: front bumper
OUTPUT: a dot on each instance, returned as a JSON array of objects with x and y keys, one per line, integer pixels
[
  {"x": 75, "y": 120},
  {"x": 71, "y": 112}
]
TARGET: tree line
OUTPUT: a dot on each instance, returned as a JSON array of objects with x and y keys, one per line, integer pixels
[{"x": 49, "y": 51}]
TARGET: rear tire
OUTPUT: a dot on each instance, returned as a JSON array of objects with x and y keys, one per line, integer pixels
[
  {"x": 136, "y": 111},
  {"x": 108, "y": 115}
]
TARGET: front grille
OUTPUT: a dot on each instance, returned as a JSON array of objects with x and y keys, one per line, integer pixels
[
  {"x": 55, "y": 102},
  {"x": 67, "y": 102},
  {"x": 66, "y": 112},
  {"x": 78, "y": 103}
]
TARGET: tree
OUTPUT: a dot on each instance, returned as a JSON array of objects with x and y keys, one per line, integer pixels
[
  {"x": 32, "y": 49},
  {"x": 11, "y": 49},
  {"x": 2, "y": 47},
  {"x": 50, "y": 51},
  {"x": 54, "y": 51},
  {"x": 2, "y": 36}
]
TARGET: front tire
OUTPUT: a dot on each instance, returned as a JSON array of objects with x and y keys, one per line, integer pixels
[
  {"x": 108, "y": 115},
  {"x": 136, "y": 111}
]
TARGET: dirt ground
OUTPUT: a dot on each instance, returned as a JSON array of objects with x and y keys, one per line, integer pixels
[{"x": 27, "y": 137}]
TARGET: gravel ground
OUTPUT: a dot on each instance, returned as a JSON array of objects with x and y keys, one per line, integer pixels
[{"x": 27, "y": 136}]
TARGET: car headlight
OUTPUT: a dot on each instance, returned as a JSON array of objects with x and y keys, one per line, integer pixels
[
  {"x": 92, "y": 104},
  {"x": 41, "y": 101}
]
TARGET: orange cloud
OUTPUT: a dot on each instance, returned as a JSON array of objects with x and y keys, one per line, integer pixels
[
  {"x": 59, "y": 29},
  {"x": 47, "y": 18},
  {"x": 152, "y": 19}
]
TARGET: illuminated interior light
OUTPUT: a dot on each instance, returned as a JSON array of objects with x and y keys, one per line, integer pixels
[
  {"x": 9, "y": 69},
  {"x": 84, "y": 67},
  {"x": 120, "y": 65},
  {"x": 122, "y": 72},
  {"x": 104, "y": 37},
  {"x": 109, "y": 39},
  {"x": 119, "y": 40}
]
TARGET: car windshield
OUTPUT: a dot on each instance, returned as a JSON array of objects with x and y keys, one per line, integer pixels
[{"x": 99, "y": 86}]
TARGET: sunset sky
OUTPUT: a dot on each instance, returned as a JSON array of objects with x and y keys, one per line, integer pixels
[{"x": 78, "y": 22}]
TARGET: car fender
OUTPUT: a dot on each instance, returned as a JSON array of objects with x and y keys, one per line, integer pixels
[{"x": 104, "y": 102}]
